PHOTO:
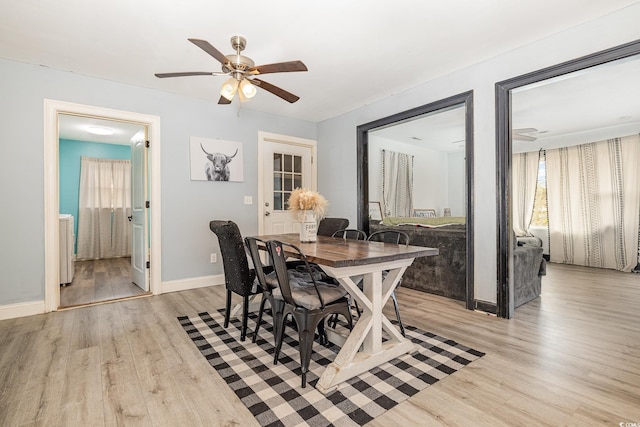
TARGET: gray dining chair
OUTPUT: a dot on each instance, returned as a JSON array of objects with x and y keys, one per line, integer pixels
[
  {"x": 268, "y": 283},
  {"x": 399, "y": 238},
  {"x": 350, "y": 233},
  {"x": 307, "y": 303},
  {"x": 328, "y": 226}
]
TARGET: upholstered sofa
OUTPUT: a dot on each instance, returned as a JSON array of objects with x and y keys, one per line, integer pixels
[{"x": 528, "y": 268}]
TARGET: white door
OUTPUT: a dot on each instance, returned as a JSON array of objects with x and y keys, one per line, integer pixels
[
  {"x": 286, "y": 163},
  {"x": 139, "y": 235}
]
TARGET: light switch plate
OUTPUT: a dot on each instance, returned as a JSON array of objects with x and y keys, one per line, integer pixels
[{"x": 248, "y": 200}]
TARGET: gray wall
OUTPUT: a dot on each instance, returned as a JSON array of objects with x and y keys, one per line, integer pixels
[
  {"x": 338, "y": 135},
  {"x": 187, "y": 206}
]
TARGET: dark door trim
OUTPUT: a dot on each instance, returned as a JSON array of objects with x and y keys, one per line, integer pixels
[
  {"x": 503, "y": 154},
  {"x": 465, "y": 98}
]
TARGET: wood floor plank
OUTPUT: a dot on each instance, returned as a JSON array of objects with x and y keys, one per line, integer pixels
[
  {"x": 569, "y": 357},
  {"x": 99, "y": 280}
]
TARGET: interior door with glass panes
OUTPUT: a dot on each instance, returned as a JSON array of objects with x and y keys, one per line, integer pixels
[{"x": 285, "y": 168}]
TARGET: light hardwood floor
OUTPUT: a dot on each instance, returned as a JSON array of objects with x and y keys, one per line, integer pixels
[
  {"x": 571, "y": 357},
  {"x": 99, "y": 280}
]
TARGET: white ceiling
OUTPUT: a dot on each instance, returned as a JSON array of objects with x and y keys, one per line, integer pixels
[
  {"x": 442, "y": 130},
  {"x": 356, "y": 52},
  {"x": 77, "y": 128},
  {"x": 585, "y": 106}
]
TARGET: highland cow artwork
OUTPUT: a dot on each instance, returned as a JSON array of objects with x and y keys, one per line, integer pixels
[{"x": 216, "y": 160}]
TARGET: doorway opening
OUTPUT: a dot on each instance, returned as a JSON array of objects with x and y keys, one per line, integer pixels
[
  {"x": 95, "y": 176},
  {"x": 284, "y": 164},
  {"x": 462, "y": 197},
  {"x": 147, "y": 180},
  {"x": 509, "y": 121}
]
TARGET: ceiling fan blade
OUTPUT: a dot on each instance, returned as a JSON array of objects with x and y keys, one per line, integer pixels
[
  {"x": 207, "y": 47},
  {"x": 223, "y": 101},
  {"x": 287, "y": 96},
  {"x": 278, "y": 67},
  {"x": 525, "y": 130},
  {"x": 184, "y": 74},
  {"x": 524, "y": 137}
]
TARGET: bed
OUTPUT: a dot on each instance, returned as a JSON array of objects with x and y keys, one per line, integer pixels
[{"x": 441, "y": 275}]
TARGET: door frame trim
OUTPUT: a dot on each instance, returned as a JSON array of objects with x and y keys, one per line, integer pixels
[
  {"x": 51, "y": 190},
  {"x": 287, "y": 140},
  {"x": 362, "y": 156},
  {"x": 505, "y": 286}
]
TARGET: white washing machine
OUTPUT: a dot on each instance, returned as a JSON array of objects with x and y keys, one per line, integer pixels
[{"x": 66, "y": 249}]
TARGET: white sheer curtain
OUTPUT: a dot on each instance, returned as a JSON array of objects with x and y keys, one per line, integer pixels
[
  {"x": 397, "y": 183},
  {"x": 104, "y": 205},
  {"x": 524, "y": 170},
  {"x": 593, "y": 201}
]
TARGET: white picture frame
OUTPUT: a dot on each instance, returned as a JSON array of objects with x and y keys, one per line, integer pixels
[{"x": 375, "y": 211}]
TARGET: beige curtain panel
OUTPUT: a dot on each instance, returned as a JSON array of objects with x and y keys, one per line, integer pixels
[
  {"x": 524, "y": 170},
  {"x": 594, "y": 203},
  {"x": 104, "y": 230},
  {"x": 397, "y": 183}
]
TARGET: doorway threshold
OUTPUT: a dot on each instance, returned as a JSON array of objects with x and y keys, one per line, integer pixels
[{"x": 107, "y": 301}]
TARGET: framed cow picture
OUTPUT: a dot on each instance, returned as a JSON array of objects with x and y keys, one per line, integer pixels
[{"x": 216, "y": 160}]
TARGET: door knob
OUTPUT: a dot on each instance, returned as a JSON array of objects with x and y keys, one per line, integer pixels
[
  {"x": 267, "y": 213},
  {"x": 129, "y": 218}
]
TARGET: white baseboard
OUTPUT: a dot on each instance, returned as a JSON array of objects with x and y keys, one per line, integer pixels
[
  {"x": 192, "y": 283},
  {"x": 21, "y": 309}
]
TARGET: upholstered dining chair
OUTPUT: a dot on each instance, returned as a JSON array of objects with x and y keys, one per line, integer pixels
[
  {"x": 308, "y": 303},
  {"x": 238, "y": 278},
  {"x": 399, "y": 238},
  {"x": 328, "y": 226},
  {"x": 268, "y": 283}
]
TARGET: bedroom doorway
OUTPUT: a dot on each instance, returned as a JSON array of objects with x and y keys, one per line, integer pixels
[
  {"x": 441, "y": 133},
  {"x": 53, "y": 109},
  {"x": 622, "y": 116}
]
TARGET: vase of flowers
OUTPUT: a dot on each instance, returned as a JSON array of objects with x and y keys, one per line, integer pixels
[{"x": 308, "y": 207}]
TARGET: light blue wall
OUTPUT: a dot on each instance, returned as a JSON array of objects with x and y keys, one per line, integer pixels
[
  {"x": 337, "y": 136},
  {"x": 69, "y": 154},
  {"x": 187, "y": 206}
]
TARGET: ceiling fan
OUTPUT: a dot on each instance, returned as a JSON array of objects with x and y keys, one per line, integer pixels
[
  {"x": 242, "y": 71},
  {"x": 519, "y": 134}
]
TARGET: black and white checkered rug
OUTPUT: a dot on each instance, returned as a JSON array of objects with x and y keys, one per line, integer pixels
[{"x": 274, "y": 395}]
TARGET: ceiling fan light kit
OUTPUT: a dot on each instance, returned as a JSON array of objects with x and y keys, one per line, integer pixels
[
  {"x": 242, "y": 72},
  {"x": 229, "y": 88},
  {"x": 247, "y": 89}
]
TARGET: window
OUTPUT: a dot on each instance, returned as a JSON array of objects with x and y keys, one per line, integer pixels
[
  {"x": 287, "y": 176},
  {"x": 540, "y": 213}
]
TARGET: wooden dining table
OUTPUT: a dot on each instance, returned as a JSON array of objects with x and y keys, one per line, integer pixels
[{"x": 347, "y": 261}]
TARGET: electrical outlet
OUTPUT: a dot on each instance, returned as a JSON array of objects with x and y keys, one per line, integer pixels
[
  {"x": 213, "y": 258},
  {"x": 248, "y": 200}
]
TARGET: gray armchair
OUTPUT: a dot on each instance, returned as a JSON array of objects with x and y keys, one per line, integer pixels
[{"x": 528, "y": 268}]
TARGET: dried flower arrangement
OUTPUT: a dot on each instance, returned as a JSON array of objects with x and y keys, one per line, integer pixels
[{"x": 302, "y": 199}]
